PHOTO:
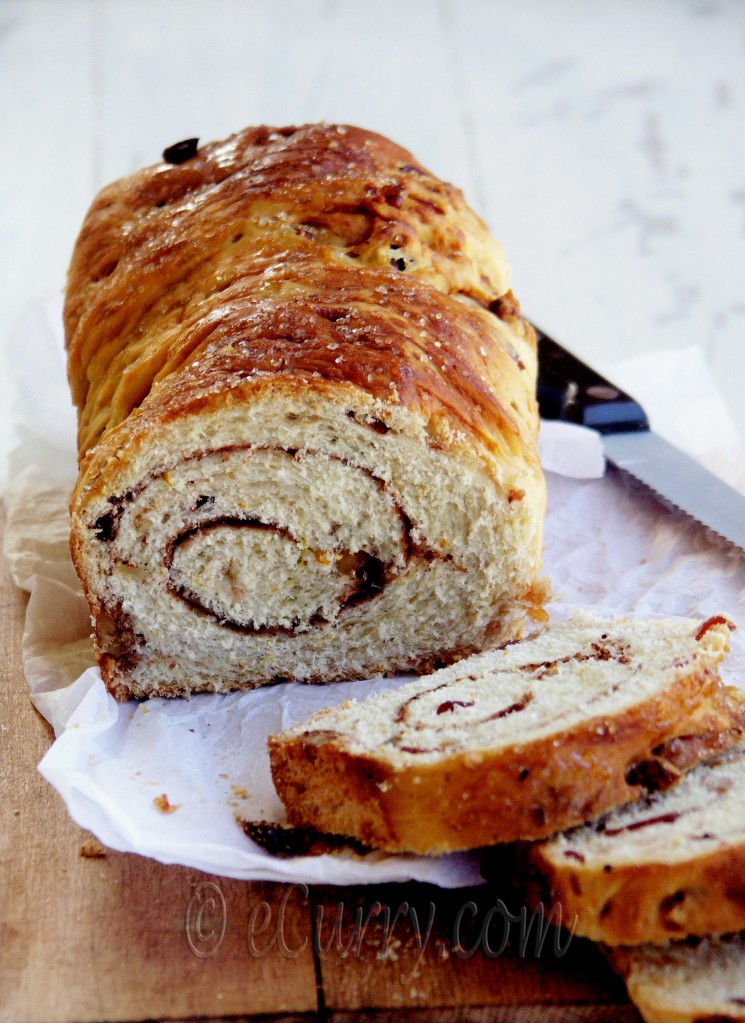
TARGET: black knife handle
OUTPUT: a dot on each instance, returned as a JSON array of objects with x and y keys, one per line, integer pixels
[{"x": 570, "y": 390}]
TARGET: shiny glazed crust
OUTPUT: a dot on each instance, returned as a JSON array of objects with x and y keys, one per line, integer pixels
[
  {"x": 522, "y": 790},
  {"x": 308, "y": 305},
  {"x": 273, "y": 237}
]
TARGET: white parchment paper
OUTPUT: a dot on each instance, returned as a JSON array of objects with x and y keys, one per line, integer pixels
[{"x": 608, "y": 546}]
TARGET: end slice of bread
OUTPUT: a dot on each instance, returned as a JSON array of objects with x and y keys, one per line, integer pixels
[
  {"x": 667, "y": 867},
  {"x": 701, "y": 982},
  {"x": 516, "y": 743}
]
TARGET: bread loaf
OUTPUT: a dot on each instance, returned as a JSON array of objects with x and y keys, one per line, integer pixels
[
  {"x": 667, "y": 867},
  {"x": 686, "y": 982},
  {"x": 307, "y": 422},
  {"x": 516, "y": 743}
]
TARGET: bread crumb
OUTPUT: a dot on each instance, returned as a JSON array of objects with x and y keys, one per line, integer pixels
[
  {"x": 92, "y": 849},
  {"x": 162, "y": 805}
]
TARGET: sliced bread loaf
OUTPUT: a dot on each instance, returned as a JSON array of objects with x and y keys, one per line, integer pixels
[
  {"x": 293, "y": 351},
  {"x": 702, "y": 982},
  {"x": 666, "y": 867},
  {"x": 517, "y": 743}
]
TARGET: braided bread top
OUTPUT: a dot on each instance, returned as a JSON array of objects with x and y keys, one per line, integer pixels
[{"x": 322, "y": 253}]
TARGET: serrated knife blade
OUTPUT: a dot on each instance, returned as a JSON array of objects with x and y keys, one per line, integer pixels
[{"x": 568, "y": 389}]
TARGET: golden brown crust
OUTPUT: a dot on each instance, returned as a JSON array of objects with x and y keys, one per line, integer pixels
[
  {"x": 655, "y": 903},
  {"x": 524, "y": 793},
  {"x": 638, "y": 903},
  {"x": 270, "y": 255}
]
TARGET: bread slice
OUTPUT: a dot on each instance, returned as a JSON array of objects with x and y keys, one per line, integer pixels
[
  {"x": 516, "y": 743},
  {"x": 702, "y": 982},
  {"x": 669, "y": 866}
]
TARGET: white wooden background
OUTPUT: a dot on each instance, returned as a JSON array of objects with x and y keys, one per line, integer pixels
[{"x": 602, "y": 140}]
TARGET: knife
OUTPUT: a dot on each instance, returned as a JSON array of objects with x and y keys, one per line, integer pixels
[{"x": 572, "y": 391}]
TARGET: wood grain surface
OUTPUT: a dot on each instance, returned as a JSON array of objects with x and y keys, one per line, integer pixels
[{"x": 87, "y": 934}]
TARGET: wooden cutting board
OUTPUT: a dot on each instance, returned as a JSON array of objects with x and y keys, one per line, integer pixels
[{"x": 87, "y": 934}]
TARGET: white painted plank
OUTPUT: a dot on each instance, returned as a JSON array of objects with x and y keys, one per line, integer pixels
[
  {"x": 609, "y": 150},
  {"x": 46, "y": 168},
  {"x": 208, "y": 69}
]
